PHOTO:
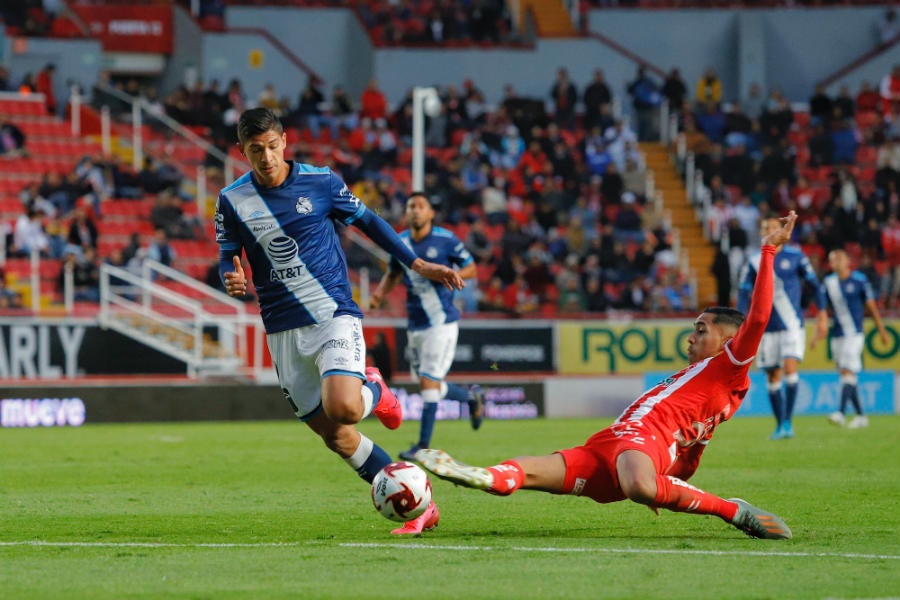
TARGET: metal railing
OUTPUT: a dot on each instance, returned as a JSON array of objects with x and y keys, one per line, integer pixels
[{"x": 209, "y": 334}]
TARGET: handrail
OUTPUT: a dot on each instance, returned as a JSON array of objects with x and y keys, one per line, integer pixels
[
  {"x": 859, "y": 61},
  {"x": 176, "y": 275},
  {"x": 139, "y": 301},
  {"x": 285, "y": 51},
  {"x": 620, "y": 49},
  {"x": 167, "y": 120}
]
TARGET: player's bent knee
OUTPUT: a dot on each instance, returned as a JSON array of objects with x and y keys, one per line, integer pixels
[
  {"x": 639, "y": 489},
  {"x": 343, "y": 413}
]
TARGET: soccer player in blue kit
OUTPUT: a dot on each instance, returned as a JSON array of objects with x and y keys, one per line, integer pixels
[
  {"x": 850, "y": 294},
  {"x": 784, "y": 343},
  {"x": 283, "y": 214},
  {"x": 433, "y": 320}
]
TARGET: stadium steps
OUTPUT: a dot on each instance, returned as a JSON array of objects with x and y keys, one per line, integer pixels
[
  {"x": 700, "y": 253},
  {"x": 550, "y": 16}
]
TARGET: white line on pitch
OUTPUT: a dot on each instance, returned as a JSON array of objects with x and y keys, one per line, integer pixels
[
  {"x": 551, "y": 549},
  {"x": 416, "y": 546}
]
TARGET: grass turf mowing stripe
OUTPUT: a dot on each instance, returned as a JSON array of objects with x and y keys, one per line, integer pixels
[{"x": 415, "y": 546}]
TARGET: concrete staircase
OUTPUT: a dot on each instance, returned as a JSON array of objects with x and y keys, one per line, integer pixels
[
  {"x": 699, "y": 252},
  {"x": 550, "y": 16}
]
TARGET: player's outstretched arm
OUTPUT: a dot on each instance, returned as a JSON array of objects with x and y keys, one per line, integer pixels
[
  {"x": 746, "y": 342},
  {"x": 440, "y": 273}
]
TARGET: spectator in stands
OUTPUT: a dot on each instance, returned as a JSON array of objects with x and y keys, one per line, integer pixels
[
  {"x": 28, "y": 234},
  {"x": 309, "y": 109},
  {"x": 597, "y": 95},
  {"x": 845, "y": 103},
  {"x": 612, "y": 185},
  {"x": 160, "y": 250},
  {"x": 738, "y": 127},
  {"x": 821, "y": 147},
  {"x": 594, "y": 151},
  {"x": 620, "y": 143},
  {"x": 890, "y": 241},
  {"x": 845, "y": 139},
  {"x": 27, "y": 86},
  {"x": 82, "y": 230},
  {"x": 167, "y": 214},
  {"x": 373, "y": 103},
  {"x": 85, "y": 274},
  {"x": 711, "y": 120},
  {"x": 343, "y": 115},
  {"x": 867, "y": 99},
  {"x": 564, "y": 95},
  {"x": 636, "y": 296},
  {"x": 709, "y": 88},
  {"x": 44, "y": 85},
  {"x": 493, "y": 202},
  {"x": 645, "y": 99},
  {"x": 5, "y": 85},
  {"x": 776, "y": 118},
  {"x": 12, "y": 140},
  {"x": 820, "y": 106},
  {"x": 890, "y": 90},
  {"x": 754, "y": 101},
  {"x": 675, "y": 90},
  {"x": 9, "y": 298},
  {"x": 627, "y": 224}
]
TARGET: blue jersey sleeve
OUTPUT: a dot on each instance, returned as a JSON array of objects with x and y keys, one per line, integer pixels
[
  {"x": 459, "y": 255},
  {"x": 226, "y": 235},
  {"x": 345, "y": 206}
]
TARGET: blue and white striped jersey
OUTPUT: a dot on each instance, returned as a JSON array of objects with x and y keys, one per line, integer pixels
[
  {"x": 429, "y": 303},
  {"x": 791, "y": 268},
  {"x": 848, "y": 299},
  {"x": 288, "y": 233}
]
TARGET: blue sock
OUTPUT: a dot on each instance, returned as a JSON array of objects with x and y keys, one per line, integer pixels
[
  {"x": 426, "y": 425},
  {"x": 846, "y": 393},
  {"x": 790, "y": 393},
  {"x": 777, "y": 402},
  {"x": 376, "y": 461},
  {"x": 854, "y": 398},
  {"x": 458, "y": 393},
  {"x": 376, "y": 392}
]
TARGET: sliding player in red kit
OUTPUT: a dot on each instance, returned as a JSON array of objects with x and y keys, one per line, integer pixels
[{"x": 649, "y": 452}]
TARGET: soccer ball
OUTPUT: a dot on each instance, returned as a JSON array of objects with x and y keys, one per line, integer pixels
[{"x": 401, "y": 491}]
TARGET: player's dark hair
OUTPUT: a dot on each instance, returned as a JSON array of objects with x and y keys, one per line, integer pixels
[
  {"x": 255, "y": 121},
  {"x": 420, "y": 194},
  {"x": 724, "y": 315}
]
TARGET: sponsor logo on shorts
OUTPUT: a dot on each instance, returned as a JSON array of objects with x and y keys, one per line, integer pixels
[
  {"x": 336, "y": 343},
  {"x": 578, "y": 488}
]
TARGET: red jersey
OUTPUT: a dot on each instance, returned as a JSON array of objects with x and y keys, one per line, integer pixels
[{"x": 683, "y": 410}]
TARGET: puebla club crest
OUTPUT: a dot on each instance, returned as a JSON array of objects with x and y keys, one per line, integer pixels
[{"x": 304, "y": 205}]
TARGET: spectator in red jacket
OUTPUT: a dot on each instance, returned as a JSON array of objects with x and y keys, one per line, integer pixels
[
  {"x": 44, "y": 85},
  {"x": 373, "y": 104}
]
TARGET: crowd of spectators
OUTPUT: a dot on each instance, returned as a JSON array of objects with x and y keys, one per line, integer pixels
[
  {"x": 838, "y": 166},
  {"x": 549, "y": 193}
]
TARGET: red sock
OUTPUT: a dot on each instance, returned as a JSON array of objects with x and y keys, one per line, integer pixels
[
  {"x": 508, "y": 477},
  {"x": 679, "y": 496}
]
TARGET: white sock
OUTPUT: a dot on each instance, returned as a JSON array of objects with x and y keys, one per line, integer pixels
[
  {"x": 368, "y": 401},
  {"x": 358, "y": 458}
]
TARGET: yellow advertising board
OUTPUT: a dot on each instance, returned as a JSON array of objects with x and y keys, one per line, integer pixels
[{"x": 601, "y": 347}]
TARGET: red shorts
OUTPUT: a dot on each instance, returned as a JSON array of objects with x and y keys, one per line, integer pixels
[{"x": 591, "y": 468}]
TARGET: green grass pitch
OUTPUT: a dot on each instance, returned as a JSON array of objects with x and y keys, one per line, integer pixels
[{"x": 263, "y": 510}]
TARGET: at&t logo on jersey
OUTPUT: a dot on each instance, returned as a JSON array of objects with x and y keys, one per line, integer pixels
[{"x": 282, "y": 250}]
